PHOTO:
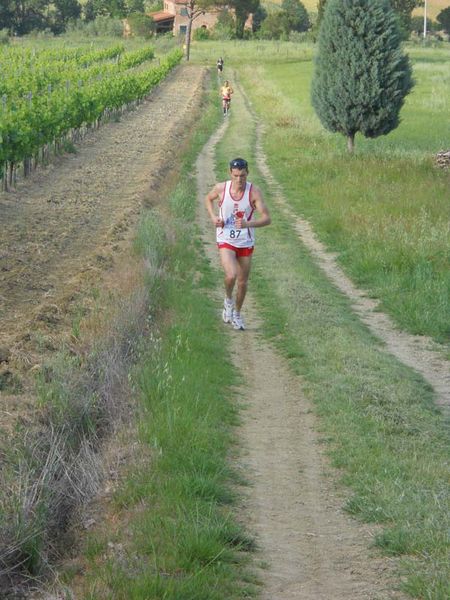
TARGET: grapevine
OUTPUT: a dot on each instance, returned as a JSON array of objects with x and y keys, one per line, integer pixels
[{"x": 70, "y": 99}]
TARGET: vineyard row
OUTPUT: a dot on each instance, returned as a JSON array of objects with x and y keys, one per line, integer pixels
[
  {"x": 31, "y": 126},
  {"x": 19, "y": 77}
]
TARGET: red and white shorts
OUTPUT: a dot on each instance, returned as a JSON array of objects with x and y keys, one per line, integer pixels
[{"x": 238, "y": 251}]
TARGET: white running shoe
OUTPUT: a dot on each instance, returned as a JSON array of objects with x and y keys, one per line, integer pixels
[
  {"x": 238, "y": 323},
  {"x": 227, "y": 313}
]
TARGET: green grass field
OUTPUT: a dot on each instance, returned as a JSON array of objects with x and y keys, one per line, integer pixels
[
  {"x": 385, "y": 210},
  {"x": 376, "y": 415}
]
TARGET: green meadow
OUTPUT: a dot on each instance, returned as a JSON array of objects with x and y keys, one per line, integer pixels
[
  {"x": 385, "y": 209},
  {"x": 171, "y": 529}
]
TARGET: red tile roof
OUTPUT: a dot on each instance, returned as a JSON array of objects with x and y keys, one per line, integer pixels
[{"x": 161, "y": 16}]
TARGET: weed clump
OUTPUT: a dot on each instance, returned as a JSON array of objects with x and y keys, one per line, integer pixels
[{"x": 51, "y": 470}]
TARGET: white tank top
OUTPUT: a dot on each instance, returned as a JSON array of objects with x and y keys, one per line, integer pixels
[{"x": 229, "y": 208}]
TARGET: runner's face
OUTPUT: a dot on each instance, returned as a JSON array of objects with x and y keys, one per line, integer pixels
[{"x": 239, "y": 178}]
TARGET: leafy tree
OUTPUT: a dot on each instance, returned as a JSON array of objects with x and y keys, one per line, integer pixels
[
  {"x": 404, "y": 9},
  {"x": 153, "y": 5},
  {"x": 243, "y": 8},
  {"x": 6, "y": 14},
  {"x": 361, "y": 74},
  {"x": 280, "y": 23},
  {"x": 22, "y": 16},
  {"x": 259, "y": 16},
  {"x": 416, "y": 25},
  {"x": 89, "y": 10},
  {"x": 135, "y": 6},
  {"x": 272, "y": 27},
  {"x": 224, "y": 29},
  {"x": 320, "y": 11},
  {"x": 64, "y": 10},
  {"x": 443, "y": 19},
  {"x": 141, "y": 25},
  {"x": 104, "y": 8},
  {"x": 194, "y": 9},
  {"x": 297, "y": 18}
]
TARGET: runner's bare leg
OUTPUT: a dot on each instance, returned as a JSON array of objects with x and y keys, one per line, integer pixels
[
  {"x": 230, "y": 266},
  {"x": 244, "y": 264}
]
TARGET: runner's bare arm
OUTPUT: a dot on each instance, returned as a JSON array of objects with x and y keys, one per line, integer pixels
[
  {"x": 214, "y": 194},
  {"x": 264, "y": 216}
]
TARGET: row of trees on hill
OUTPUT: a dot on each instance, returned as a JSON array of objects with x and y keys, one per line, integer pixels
[
  {"x": 23, "y": 16},
  {"x": 404, "y": 9},
  {"x": 292, "y": 16}
]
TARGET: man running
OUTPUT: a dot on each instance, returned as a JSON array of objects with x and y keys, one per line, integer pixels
[
  {"x": 226, "y": 90},
  {"x": 219, "y": 65},
  {"x": 238, "y": 200}
]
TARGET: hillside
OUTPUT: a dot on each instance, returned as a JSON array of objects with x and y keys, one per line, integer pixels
[{"x": 434, "y": 6}]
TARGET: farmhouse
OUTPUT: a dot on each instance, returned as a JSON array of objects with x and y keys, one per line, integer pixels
[{"x": 174, "y": 17}]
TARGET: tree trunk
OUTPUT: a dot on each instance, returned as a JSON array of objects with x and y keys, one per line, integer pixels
[
  {"x": 240, "y": 24},
  {"x": 351, "y": 142},
  {"x": 188, "y": 36}
]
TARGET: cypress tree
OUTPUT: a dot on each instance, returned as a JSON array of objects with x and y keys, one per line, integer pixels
[{"x": 361, "y": 74}]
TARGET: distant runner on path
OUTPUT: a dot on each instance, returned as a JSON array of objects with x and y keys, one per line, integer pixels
[
  {"x": 225, "y": 91},
  {"x": 237, "y": 200}
]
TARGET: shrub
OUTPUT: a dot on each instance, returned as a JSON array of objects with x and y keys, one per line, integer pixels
[
  {"x": 225, "y": 28},
  {"x": 101, "y": 26},
  {"x": 272, "y": 27},
  {"x": 301, "y": 37},
  {"x": 4, "y": 37},
  {"x": 141, "y": 25},
  {"x": 201, "y": 34},
  {"x": 444, "y": 19},
  {"x": 296, "y": 15},
  {"x": 417, "y": 25}
]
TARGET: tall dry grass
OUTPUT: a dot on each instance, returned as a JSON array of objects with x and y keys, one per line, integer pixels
[{"x": 51, "y": 471}]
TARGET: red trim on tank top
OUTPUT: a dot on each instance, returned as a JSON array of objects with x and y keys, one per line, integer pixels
[
  {"x": 223, "y": 195},
  {"x": 253, "y": 208},
  {"x": 242, "y": 195},
  {"x": 251, "y": 202}
]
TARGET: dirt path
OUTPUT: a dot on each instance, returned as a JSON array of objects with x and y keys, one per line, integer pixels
[
  {"x": 67, "y": 225},
  {"x": 314, "y": 551}
]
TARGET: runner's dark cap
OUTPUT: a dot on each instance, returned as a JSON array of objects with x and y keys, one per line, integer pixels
[{"x": 238, "y": 163}]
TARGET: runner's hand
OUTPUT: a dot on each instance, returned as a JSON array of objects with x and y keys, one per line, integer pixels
[{"x": 218, "y": 222}]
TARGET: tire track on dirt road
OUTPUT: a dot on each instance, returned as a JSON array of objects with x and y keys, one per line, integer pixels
[
  {"x": 313, "y": 549},
  {"x": 420, "y": 353}
]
